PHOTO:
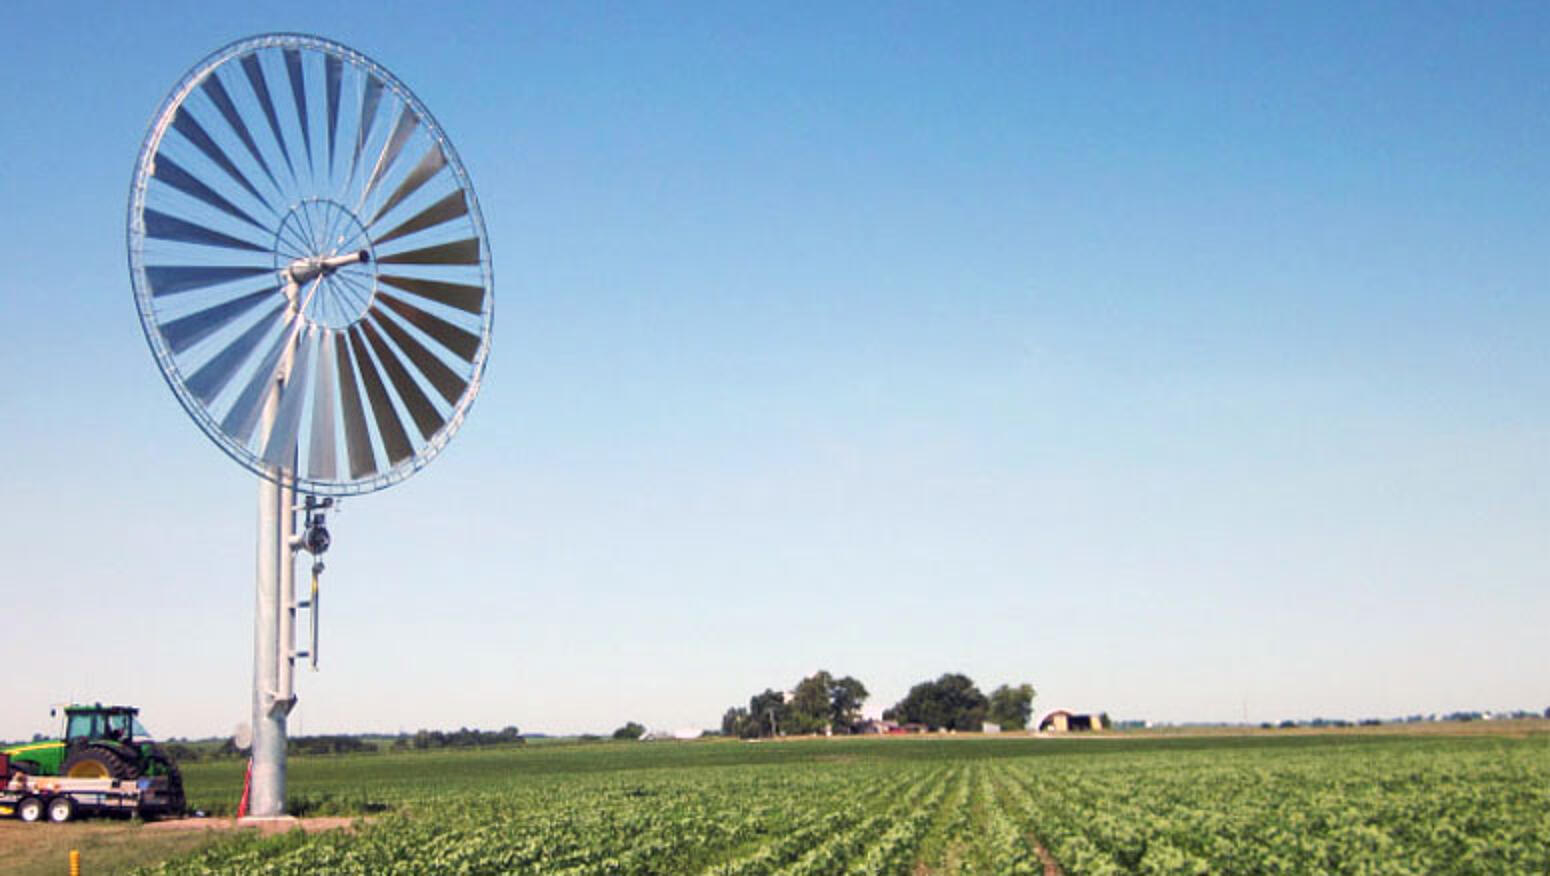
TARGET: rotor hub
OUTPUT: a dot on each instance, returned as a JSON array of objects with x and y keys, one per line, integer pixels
[{"x": 323, "y": 255}]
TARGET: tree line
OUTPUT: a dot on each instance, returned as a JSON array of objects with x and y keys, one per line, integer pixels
[{"x": 823, "y": 703}]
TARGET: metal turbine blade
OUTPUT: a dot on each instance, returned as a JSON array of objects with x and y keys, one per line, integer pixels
[
  {"x": 458, "y": 252},
  {"x": 333, "y": 68},
  {"x": 420, "y": 408},
  {"x": 172, "y": 279},
  {"x": 173, "y": 174},
  {"x": 444, "y": 379},
  {"x": 280, "y": 447},
  {"x": 260, "y": 86},
  {"x": 394, "y": 439},
  {"x": 216, "y": 91},
  {"x": 165, "y": 227},
  {"x": 363, "y": 462},
  {"x": 182, "y": 333},
  {"x": 299, "y": 94},
  {"x": 463, "y": 297},
  {"x": 212, "y": 377},
  {"x": 320, "y": 453},
  {"x": 184, "y": 123},
  {"x": 371, "y": 96},
  {"x": 407, "y": 121},
  {"x": 427, "y": 167},
  {"x": 460, "y": 341},
  {"x": 444, "y": 210},
  {"x": 244, "y": 413}
]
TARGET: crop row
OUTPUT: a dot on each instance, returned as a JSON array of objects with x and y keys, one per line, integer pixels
[{"x": 1395, "y": 807}]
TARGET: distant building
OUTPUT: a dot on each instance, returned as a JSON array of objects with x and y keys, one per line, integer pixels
[
  {"x": 1066, "y": 721},
  {"x": 988, "y": 727}
]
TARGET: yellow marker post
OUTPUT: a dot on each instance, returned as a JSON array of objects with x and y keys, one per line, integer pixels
[{"x": 75, "y": 863}]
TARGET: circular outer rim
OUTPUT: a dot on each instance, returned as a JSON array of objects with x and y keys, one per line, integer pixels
[{"x": 135, "y": 233}]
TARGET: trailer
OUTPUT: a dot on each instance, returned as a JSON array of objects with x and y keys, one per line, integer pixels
[{"x": 60, "y": 798}]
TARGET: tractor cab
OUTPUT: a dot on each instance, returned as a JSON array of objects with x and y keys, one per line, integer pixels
[{"x": 99, "y": 722}]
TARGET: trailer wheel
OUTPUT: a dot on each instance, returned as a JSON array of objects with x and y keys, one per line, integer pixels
[
  {"x": 30, "y": 809},
  {"x": 61, "y": 809}
]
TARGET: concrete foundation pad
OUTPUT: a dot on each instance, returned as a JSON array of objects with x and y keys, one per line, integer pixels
[{"x": 281, "y": 824}]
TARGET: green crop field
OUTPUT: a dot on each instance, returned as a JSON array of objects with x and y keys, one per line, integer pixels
[{"x": 1333, "y": 803}]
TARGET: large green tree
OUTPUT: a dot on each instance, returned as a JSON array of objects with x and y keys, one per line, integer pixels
[
  {"x": 845, "y": 698},
  {"x": 951, "y": 702},
  {"x": 818, "y": 703},
  {"x": 808, "y": 707},
  {"x": 1011, "y": 707},
  {"x": 737, "y": 722},
  {"x": 769, "y": 714}
]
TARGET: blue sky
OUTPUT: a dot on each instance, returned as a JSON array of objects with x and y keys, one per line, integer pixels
[{"x": 1187, "y": 362}]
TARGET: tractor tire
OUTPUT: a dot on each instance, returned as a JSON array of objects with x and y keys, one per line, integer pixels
[
  {"x": 97, "y": 762},
  {"x": 25, "y": 766},
  {"x": 160, "y": 764},
  {"x": 30, "y": 809}
]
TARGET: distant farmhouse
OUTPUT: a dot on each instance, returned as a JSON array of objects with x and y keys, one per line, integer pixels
[
  {"x": 889, "y": 728},
  {"x": 1066, "y": 721}
]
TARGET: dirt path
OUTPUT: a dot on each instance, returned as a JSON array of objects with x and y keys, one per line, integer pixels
[{"x": 110, "y": 847}]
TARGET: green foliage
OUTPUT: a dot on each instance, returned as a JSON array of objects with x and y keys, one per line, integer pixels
[
  {"x": 328, "y": 745},
  {"x": 1272, "y": 804},
  {"x": 846, "y": 696},
  {"x": 1011, "y": 707},
  {"x": 465, "y": 738},
  {"x": 952, "y": 702},
  {"x": 630, "y": 730},
  {"x": 769, "y": 713},
  {"x": 819, "y": 703}
]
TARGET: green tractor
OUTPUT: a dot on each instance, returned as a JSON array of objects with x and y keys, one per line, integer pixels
[{"x": 105, "y": 742}]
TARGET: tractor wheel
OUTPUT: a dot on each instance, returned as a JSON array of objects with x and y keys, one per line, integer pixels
[
  {"x": 61, "y": 809},
  {"x": 25, "y": 766},
  {"x": 97, "y": 762},
  {"x": 30, "y": 809},
  {"x": 160, "y": 764}
]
